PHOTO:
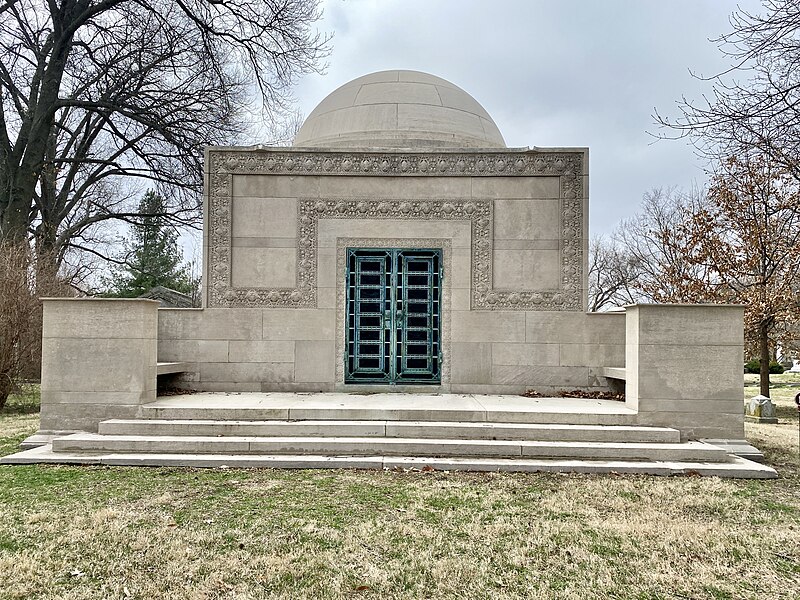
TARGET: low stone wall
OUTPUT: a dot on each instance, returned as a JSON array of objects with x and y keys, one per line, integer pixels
[
  {"x": 683, "y": 368},
  {"x": 98, "y": 360},
  {"x": 682, "y": 363},
  {"x": 490, "y": 352}
]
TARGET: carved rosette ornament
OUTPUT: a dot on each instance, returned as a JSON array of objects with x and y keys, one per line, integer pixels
[{"x": 568, "y": 166}]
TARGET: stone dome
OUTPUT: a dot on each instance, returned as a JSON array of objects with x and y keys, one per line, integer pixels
[{"x": 399, "y": 109}]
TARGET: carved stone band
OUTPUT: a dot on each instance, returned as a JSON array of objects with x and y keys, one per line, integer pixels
[
  {"x": 479, "y": 212},
  {"x": 299, "y": 162}
]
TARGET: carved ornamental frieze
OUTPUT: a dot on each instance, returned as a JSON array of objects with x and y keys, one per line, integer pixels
[{"x": 567, "y": 166}]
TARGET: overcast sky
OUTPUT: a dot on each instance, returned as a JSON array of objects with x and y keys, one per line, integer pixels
[{"x": 551, "y": 73}]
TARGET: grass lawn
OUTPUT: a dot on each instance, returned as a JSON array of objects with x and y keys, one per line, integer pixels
[{"x": 98, "y": 532}]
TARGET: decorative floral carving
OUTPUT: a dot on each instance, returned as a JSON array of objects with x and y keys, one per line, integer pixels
[
  {"x": 502, "y": 163},
  {"x": 568, "y": 166}
]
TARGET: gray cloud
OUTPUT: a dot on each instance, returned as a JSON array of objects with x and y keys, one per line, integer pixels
[{"x": 568, "y": 73}]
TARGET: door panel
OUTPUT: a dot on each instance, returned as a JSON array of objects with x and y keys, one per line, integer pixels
[{"x": 393, "y": 316}]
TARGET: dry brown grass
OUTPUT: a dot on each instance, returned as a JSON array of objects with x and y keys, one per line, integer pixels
[{"x": 68, "y": 532}]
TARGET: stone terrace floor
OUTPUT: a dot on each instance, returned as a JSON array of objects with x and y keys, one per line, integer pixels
[{"x": 446, "y": 407}]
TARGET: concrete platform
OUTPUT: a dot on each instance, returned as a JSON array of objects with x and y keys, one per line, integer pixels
[
  {"x": 393, "y": 407},
  {"x": 355, "y": 446},
  {"x": 379, "y": 428}
]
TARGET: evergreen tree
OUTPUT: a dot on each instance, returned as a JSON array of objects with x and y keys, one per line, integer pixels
[{"x": 153, "y": 255}]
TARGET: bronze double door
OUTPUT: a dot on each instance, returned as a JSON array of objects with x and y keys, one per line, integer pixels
[{"x": 393, "y": 325}]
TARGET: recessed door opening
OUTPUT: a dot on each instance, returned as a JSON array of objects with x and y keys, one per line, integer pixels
[{"x": 393, "y": 328}]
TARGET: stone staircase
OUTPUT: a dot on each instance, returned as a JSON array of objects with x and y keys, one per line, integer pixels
[{"x": 371, "y": 432}]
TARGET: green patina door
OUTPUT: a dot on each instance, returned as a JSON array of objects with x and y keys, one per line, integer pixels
[{"x": 393, "y": 316}]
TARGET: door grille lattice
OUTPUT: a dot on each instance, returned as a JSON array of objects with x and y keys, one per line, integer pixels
[{"x": 393, "y": 315}]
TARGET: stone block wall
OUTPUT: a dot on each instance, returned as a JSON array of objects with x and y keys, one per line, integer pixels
[
  {"x": 513, "y": 229},
  {"x": 98, "y": 360},
  {"x": 684, "y": 367},
  {"x": 296, "y": 350}
]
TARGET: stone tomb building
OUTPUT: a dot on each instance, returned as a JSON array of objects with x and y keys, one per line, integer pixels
[
  {"x": 398, "y": 242},
  {"x": 398, "y": 247}
]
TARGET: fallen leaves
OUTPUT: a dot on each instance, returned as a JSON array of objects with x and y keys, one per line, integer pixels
[{"x": 592, "y": 395}]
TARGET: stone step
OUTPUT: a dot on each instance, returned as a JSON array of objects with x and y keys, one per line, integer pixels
[
  {"x": 735, "y": 467},
  {"x": 365, "y": 446},
  {"x": 393, "y": 429},
  {"x": 623, "y": 416}
]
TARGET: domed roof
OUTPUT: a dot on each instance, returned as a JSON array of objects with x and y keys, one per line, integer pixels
[{"x": 399, "y": 109}]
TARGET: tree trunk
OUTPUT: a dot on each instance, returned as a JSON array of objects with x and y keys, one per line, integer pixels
[
  {"x": 14, "y": 218},
  {"x": 763, "y": 344},
  {"x": 6, "y": 384}
]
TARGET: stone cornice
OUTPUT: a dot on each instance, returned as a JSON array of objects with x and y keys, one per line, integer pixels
[{"x": 478, "y": 163}]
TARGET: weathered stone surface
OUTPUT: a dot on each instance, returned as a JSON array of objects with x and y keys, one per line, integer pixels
[
  {"x": 261, "y": 351},
  {"x": 577, "y": 355},
  {"x": 526, "y": 219},
  {"x": 258, "y": 217},
  {"x": 210, "y": 324},
  {"x": 85, "y": 365},
  {"x": 98, "y": 318},
  {"x": 471, "y": 362},
  {"x": 193, "y": 350},
  {"x": 525, "y": 354},
  {"x": 534, "y": 376},
  {"x": 760, "y": 409},
  {"x": 248, "y": 372},
  {"x": 83, "y": 416},
  {"x": 695, "y": 426},
  {"x": 403, "y": 113},
  {"x": 691, "y": 372},
  {"x": 406, "y": 188},
  {"x": 566, "y": 328},
  {"x": 456, "y": 231},
  {"x": 688, "y": 379},
  {"x": 527, "y": 269},
  {"x": 504, "y": 188},
  {"x": 314, "y": 361},
  {"x": 264, "y": 267},
  {"x": 475, "y": 326},
  {"x": 303, "y": 324},
  {"x": 253, "y": 185},
  {"x": 98, "y": 360},
  {"x": 707, "y": 325}
]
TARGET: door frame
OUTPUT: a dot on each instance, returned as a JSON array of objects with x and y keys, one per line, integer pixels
[{"x": 341, "y": 311}]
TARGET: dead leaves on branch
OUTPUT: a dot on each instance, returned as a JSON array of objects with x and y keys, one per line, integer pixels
[{"x": 743, "y": 245}]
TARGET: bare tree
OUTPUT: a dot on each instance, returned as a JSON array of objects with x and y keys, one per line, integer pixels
[
  {"x": 654, "y": 241},
  {"x": 96, "y": 91},
  {"x": 21, "y": 285},
  {"x": 613, "y": 275},
  {"x": 754, "y": 105}
]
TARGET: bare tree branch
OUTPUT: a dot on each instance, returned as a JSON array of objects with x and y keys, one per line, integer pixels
[{"x": 96, "y": 92}]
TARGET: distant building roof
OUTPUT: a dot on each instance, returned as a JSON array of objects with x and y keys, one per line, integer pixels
[{"x": 168, "y": 298}]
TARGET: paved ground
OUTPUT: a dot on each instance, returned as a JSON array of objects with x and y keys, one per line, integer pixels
[{"x": 467, "y": 403}]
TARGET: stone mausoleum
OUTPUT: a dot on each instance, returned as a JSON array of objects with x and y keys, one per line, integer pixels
[{"x": 381, "y": 294}]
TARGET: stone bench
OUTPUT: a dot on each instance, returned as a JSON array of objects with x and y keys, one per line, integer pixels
[
  {"x": 613, "y": 372},
  {"x": 166, "y": 368}
]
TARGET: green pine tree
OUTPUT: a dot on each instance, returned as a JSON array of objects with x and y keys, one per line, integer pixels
[{"x": 154, "y": 257}]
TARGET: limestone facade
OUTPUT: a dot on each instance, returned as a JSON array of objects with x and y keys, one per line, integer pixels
[{"x": 513, "y": 227}]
